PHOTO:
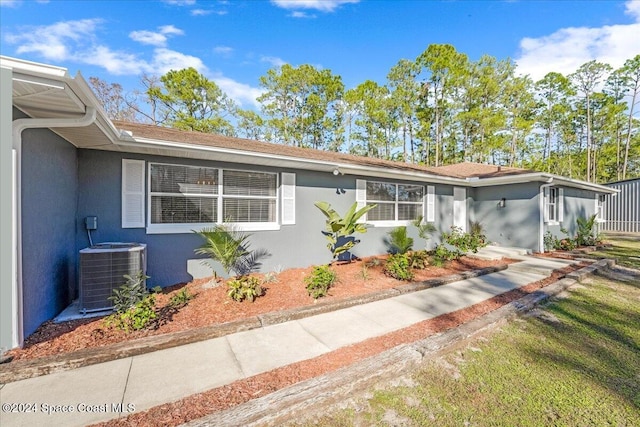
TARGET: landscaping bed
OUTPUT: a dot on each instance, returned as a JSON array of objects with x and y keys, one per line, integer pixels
[
  {"x": 212, "y": 306},
  {"x": 228, "y": 396}
]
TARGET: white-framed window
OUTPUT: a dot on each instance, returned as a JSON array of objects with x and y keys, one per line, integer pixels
[
  {"x": 182, "y": 198},
  {"x": 600, "y": 216},
  {"x": 395, "y": 203},
  {"x": 554, "y": 205}
]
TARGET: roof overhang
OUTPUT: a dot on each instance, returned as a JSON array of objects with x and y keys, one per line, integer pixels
[
  {"x": 44, "y": 91},
  {"x": 131, "y": 143},
  {"x": 541, "y": 177}
]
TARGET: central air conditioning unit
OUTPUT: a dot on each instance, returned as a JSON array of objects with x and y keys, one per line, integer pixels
[{"x": 102, "y": 268}]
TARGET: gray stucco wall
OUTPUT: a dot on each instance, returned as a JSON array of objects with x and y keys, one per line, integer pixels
[
  {"x": 298, "y": 245},
  {"x": 516, "y": 224},
  {"x": 577, "y": 204},
  {"x": 49, "y": 200},
  {"x": 6, "y": 212}
]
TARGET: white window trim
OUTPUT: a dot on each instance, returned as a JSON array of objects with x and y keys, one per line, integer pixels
[
  {"x": 361, "y": 198},
  {"x": 185, "y": 228},
  {"x": 558, "y": 205},
  {"x": 189, "y": 228},
  {"x": 600, "y": 201}
]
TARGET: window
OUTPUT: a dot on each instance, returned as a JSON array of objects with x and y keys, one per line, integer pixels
[
  {"x": 600, "y": 199},
  {"x": 248, "y": 196},
  {"x": 183, "y": 194},
  {"x": 200, "y": 195},
  {"x": 395, "y": 202},
  {"x": 554, "y": 206}
]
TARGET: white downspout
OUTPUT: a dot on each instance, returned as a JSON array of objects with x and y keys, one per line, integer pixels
[
  {"x": 20, "y": 125},
  {"x": 541, "y": 207}
]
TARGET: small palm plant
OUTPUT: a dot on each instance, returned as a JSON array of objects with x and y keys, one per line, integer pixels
[
  {"x": 228, "y": 246},
  {"x": 424, "y": 229},
  {"x": 399, "y": 241}
]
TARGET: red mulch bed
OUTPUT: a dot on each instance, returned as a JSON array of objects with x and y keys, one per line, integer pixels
[
  {"x": 221, "y": 398},
  {"x": 212, "y": 305}
]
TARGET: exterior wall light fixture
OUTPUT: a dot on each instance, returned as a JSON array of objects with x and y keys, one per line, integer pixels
[{"x": 502, "y": 203}]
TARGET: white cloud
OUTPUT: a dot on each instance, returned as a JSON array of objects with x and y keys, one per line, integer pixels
[
  {"x": 9, "y": 3},
  {"x": 116, "y": 63},
  {"x": 568, "y": 48},
  {"x": 53, "y": 42},
  {"x": 77, "y": 41},
  {"x": 180, "y": 2},
  {"x": 201, "y": 12},
  {"x": 632, "y": 8},
  {"x": 148, "y": 37},
  {"x": 223, "y": 50},
  {"x": 273, "y": 60},
  {"x": 170, "y": 30},
  {"x": 299, "y": 14},
  {"x": 321, "y": 5},
  {"x": 242, "y": 93},
  {"x": 166, "y": 59},
  {"x": 155, "y": 38}
]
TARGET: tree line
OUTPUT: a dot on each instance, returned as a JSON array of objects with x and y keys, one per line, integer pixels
[{"x": 438, "y": 109}]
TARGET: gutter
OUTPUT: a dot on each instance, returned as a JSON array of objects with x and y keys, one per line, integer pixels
[
  {"x": 549, "y": 183},
  {"x": 18, "y": 126}
]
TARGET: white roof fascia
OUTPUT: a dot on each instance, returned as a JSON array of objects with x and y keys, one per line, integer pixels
[
  {"x": 80, "y": 87},
  {"x": 33, "y": 68},
  {"x": 540, "y": 177}
]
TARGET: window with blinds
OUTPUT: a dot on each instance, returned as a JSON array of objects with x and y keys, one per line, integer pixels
[
  {"x": 199, "y": 195},
  {"x": 248, "y": 196},
  {"x": 394, "y": 202}
]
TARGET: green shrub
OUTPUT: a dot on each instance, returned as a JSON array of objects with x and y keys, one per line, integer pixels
[
  {"x": 398, "y": 267},
  {"x": 245, "y": 287},
  {"x": 135, "y": 317},
  {"x": 442, "y": 254},
  {"x": 399, "y": 241},
  {"x": 320, "y": 280},
  {"x": 418, "y": 259},
  {"x": 130, "y": 293},
  {"x": 465, "y": 242},
  {"x": 550, "y": 241},
  {"x": 181, "y": 298}
]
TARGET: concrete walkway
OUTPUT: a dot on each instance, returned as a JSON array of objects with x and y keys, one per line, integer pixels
[{"x": 109, "y": 390}]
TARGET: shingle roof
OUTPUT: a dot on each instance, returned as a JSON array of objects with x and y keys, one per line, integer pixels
[
  {"x": 479, "y": 170},
  {"x": 460, "y": 170}
]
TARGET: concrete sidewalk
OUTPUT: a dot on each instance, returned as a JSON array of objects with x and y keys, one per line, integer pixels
[{"x": 109, "y": 390}]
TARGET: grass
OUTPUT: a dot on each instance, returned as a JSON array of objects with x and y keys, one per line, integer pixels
[
  {"x": 625, "y": 251},
  {"x": 573, "y": 362}
]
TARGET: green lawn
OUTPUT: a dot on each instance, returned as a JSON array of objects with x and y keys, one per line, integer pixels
[
  {"x": 573, "y": 362},
  {"x": 625, "y": 250}
]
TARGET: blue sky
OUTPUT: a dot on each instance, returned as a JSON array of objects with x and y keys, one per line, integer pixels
[{"x": 236, "y": 42}]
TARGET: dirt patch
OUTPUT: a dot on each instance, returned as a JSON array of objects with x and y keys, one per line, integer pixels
[{"x": 212, "y": 305}]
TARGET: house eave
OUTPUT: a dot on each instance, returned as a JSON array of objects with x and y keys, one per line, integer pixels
[
  {"x": 141, "y": 145},
  {"x": 540, "y": 177}
]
